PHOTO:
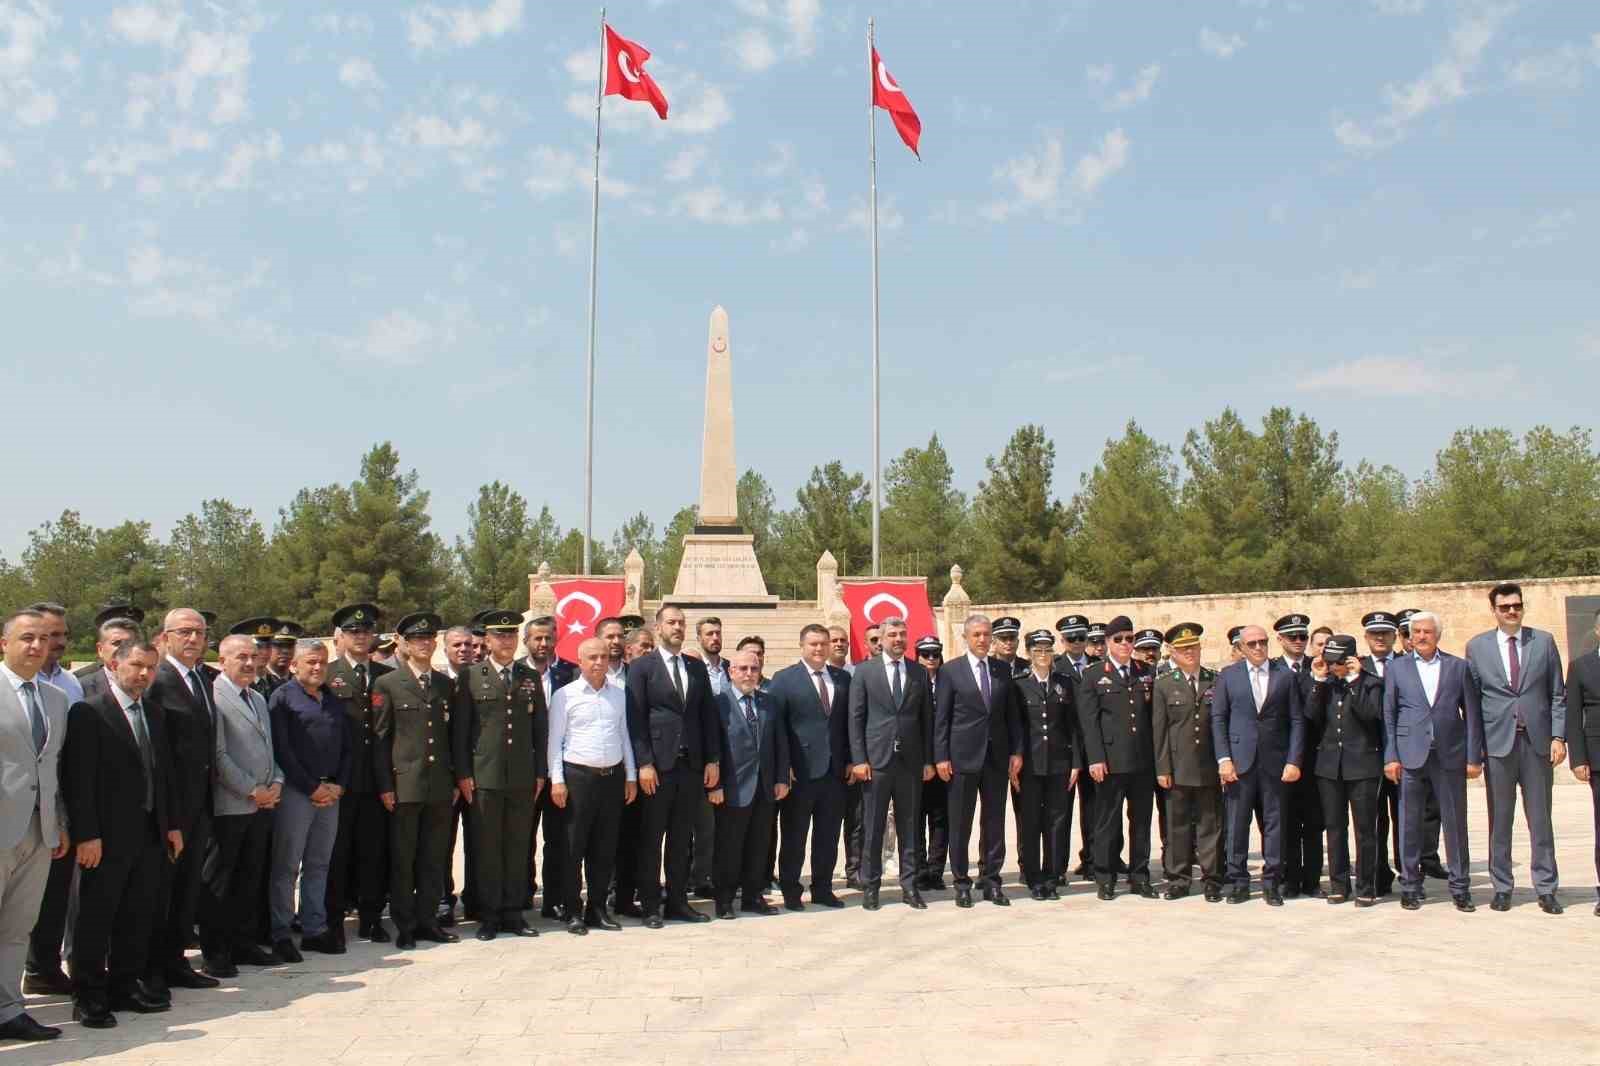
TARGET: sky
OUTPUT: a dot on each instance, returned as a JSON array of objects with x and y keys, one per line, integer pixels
[{"x": 241, "y": 243}]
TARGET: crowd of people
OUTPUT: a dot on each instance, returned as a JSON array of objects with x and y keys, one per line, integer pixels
[{"x": 154, "y": 803}]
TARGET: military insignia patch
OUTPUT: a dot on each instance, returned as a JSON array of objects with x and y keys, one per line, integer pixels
[{"x": 377, "y": 700}]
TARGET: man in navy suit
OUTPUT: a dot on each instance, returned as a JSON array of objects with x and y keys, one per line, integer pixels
[
  {"x": 977, "y": 750},
  {"x": 812, "y": 702},
  {"x": 1433, "y": 733},
  {"x": 1259, "y": 733},
  {"x": 754, "y": 747}
]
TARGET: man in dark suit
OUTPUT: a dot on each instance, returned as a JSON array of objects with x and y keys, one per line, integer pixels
[
  {"x": 753, "y": 763},
  {"x": 121, "y": 796},
  {"x": 811, "y": 700},
  {"x": 1114, "y": 717},
  {"x": 1583, "y": 732},
  {"x": 1433, "y": 730},
  {"x": 181, "y": 696},
  {"x": 1258, "y": 730},
  {"x": 977, "y": 750},
  {"x": 891, "y": 745},
  {"x": 672, "y": 722}
]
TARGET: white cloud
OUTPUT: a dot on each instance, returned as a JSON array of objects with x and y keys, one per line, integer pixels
[
  {"x": 1399, "y": 7},
  {"x": 1561, "y": 68},
  {"x": 554, "y": 171},
  {"x": 1040, "y": 181},
  {"x": 159, "y": 284},
  {"x": 358, "y": 73},
  {"x": 23, "y": 30},
  {"x": 1443, "y": 83},
  {"x": 129, "y": 158},
  {"x": 148, "y": 24},
  {"x": 795, "y": 240},
  {"x": 333, "y": 23},
  {"x": 889, "y": 216},
  {"x": 431, "y": 26},
  {"x": 712, "y": 204},
  {"x": 216, "y": 59},
  {"x": 801, "y": 18},
  {"x": 1139, "y": 91},
  {"x": 399, "y": 338},
  {"x": 431, "y": 131},
  {"x": 698, "y": 106},
  {"x": 796, "y": 20},
  {"x": 1094, "y": 168},
  {"x": 778, "y": 165},
  {"x": 1221, "y": 45},
  {"x": 1099, "y": 73},
  {"x": 1406, "y": 378},
  {"x": 683, "y": 166},
  {"x": 753, "y": 50},
  {"x": 240, "y": 165}
]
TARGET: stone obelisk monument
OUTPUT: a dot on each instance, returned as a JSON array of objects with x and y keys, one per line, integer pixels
[{"x": 719, "y": 558}]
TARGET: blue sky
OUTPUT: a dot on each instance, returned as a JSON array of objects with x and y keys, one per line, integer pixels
[{"x": 243, "y": 242}]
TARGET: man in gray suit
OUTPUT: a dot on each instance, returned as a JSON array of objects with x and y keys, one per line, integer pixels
[
  {"x": 33, "y": 823},
  {"x": 249, "y": 784},
  {"x": 1517, "y": 671}
]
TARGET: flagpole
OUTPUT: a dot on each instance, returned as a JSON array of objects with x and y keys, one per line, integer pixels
[
  {"x": 594, "y": 266},
  {"x": 872, "y": 213}
]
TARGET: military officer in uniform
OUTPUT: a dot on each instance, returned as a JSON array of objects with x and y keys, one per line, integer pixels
[
  {"x": 1186, "y": 767},
  {"x": 1072, "y": 662},
  {"x": 1074, "y": 632},
  {"x": 1235, "y": 649},
  {"x": 1147, "y": 650},
  {"x": 932, "y": 845},
  {"x": 1006, "y": 634},
  {"x": 411, "y": 761},
  {"x": 1302, "y": 803},
  {"x": 283, "y": 640},
  {"x": 1114, "y": 716},
  {"x": 1043, "y": 794},
  {"x": 359, "y": 870},
  {"x": 1094, "y": 645},
  {"x": 497, "y": 738}
]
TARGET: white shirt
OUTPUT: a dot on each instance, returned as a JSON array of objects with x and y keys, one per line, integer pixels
[
  {"x": 65, "y": 681},
  {"x": 889, "y": 666},
  {"x": 185, "y": 671},
  {"x": 617, "y": 675},
  {"x": 717, "y": 671},
  {"x": 1260, "y": 681},
  {"x": 978, "y": 667},
  {"x": 811, "y": 678},
  {"x": 1502, "y": 638},
  {"x": 589, "y": 727},
  {"x": 1428, "y": 671}
]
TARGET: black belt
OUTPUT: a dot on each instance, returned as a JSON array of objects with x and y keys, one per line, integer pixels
[{"x": 596, "y": 771}]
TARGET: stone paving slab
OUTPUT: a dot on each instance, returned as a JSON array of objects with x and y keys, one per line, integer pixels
[{"x": 1132, "y": 982}]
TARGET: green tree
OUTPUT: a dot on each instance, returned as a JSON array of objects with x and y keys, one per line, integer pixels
[
  {"x": 299, "y": 546},
  {"x": 1020, "y": 529},
  {"x": 495, "y": 557},
  {"x": 130, "y": 568},
  {"x": 925, "y": 524},
  {"x": 758, "y": 510},
  {"x": 1561, "y": 484},
  {"x": 1376, "y": 526},
  {"x": 670, "y": 553},
  {"x": 639, "y": 534},
  {"x": 832, "y": 513},
  {"x": 216, "y": 560},
  {"x": 1300, "y": 470},
  {"x": 1127, "y": 521},
  {"x": 60, "y": 566},
  {"x": 1226, "y": 539}
]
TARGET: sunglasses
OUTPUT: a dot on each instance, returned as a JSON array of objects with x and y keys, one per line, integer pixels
[
  {"x": 1254, "y": 643},
  {"x": 1508, "y": 607},
  {"x": 1124, "y": 639},
  {"x": 1300, "y": 637}
]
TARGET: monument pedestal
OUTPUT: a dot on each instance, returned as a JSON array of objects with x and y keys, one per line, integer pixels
[{"x": 720, "y": 569}]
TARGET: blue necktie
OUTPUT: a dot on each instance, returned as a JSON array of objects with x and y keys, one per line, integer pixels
[
  {"x": 749, "y": 711},
  {"x": 30, "y": 701},
  {"x": 983, "y": 682}
]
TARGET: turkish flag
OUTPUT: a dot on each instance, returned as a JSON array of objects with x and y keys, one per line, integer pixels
[
  {"x": 580, "y": 604},
  {"x": 887, "y": 95},
  {"x": 625, "y": 73},
  {"x": 870, "y": 602}
]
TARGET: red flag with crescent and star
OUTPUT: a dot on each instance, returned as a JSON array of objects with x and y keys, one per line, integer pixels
[
  {"x": 887, "y": 95},
  {"x": 870, "y": 602},
  {"x": 580, "y": 603},
  {"x": 625, "y": 73}
]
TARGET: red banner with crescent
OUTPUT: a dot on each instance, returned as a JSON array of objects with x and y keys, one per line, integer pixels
[
  {"x": 870, "y": 602},
  {"x": 580, "y": 603}
]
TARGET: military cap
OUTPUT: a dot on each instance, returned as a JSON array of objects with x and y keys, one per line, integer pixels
[
  {"x": 386, "y": 642},
  {"x": 1402, "y": 620},
  {"x": 287, "y": 632},
  {"x": 631, "y": 621},
  {"x": 420, "y": 624},
  {"x": 1006, "y": 626},
  {"x": 1233, "y": 633},
  {"x": 357, "y": 616},
  {"x": 1096, "y": 632},
  {"x": 1120, "y": 624},
  {"x": 1340, "y": 646},
  {"x": 1147, "y": 638},
  {"x": 210, "y": 618},
  {"x": 1379, "y": 622},
  {"x": 1072, "y": 626},
  {"x": 499, "y": 619},
  {"x": 930, "y": 646},
  {"x": 1292, "y": 625},
  {"x": 261, "y": 627},
  {"x": 1041, "y": 638},
  {"x": 120, "y": 611},
  {"x": 1184, "y": 635}
]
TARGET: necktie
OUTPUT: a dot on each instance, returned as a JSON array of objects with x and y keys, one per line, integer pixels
[
  {"x": 30, "y": 702},
  {"x": 141, "y": 733},
  {"x": 822, "y": 693},
  {"x": 361, "y": 676},
  {"x": 1516, "y": 679},
  {"x": 749, "y": 711},
  {"x": 1295, "y": 666},
  {"x": 244, "y": 697},
  {"x": 677, "y": 678},
  {"x": 199, "y": 689},
  {"x": 505, "y": 677},
  {"x": 1380, "y": 664},
  {"x": 1122, "y": 674},
  {"x": 1258, "y": 686},
  {"x": 983, "y": 682},
  {"x": 1194, "y": 685},
  {"x": 894, "y": 682}
]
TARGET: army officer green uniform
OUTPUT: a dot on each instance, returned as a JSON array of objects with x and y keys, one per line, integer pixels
[
  {"x": 411, "y": 761},
  {"x": 497, "y": 736}
]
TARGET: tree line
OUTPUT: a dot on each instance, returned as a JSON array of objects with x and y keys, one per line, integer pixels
[{"x": 1234, "y": 509}]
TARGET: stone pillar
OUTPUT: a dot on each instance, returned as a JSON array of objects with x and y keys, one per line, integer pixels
[
  {"x": 957, "y": 605},
  {"x": 633, "y": 574},
  {"x": 541, "y": 597},
  {"x": 829, "y": 603},
  {"x": 718, "y": 481}
]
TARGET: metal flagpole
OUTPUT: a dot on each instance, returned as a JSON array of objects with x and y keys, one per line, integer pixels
[
  {"x": 594, "y": 267},
  {"x": 872, "y": 212}
]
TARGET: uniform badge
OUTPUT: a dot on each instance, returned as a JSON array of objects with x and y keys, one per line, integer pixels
[
  {"x": 1104, "y": 682},
  {"x": 1205, "y": 697},
  {"x": 377, "y": 701},
  {"x": 338, "y": 685}
]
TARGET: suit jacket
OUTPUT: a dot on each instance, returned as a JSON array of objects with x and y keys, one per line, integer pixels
[
  {"x": 357, "y": 703},
  {"x": 880, "y": 729},
  {"x": 1275, "y": 736},
  {"x": 1114, "y": 717},
  {"x": 660, "y": 724},
  {"x": 29, "y": 778},
  {"x": 1452, "y": 724},
  {"x": 1347, "y": 720},
  {"x": 1049, "y": 718},
  {"x": 499, "y": 737},
  {"x": 191, "y": 736},
  {"x": 105, "y": 783},
  {"x": 1181, "y": 725},
  {"x": 967, "y": 732},
  {"x": 412, "y": 755},
  {"x": 752, "y": 760},
  {"x": 1540, "y": 695},
  {"x": 817, "y": 744},
  {"x": 96, "y": 683},
  {"x": 244, "y": 755},
  {"x": 1583, "y": 708}
]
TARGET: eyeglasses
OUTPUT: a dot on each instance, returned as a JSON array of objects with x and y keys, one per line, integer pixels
[
  {"x": 1254, "y": 643},
  {"x": 1124, "y": 639},
  {"x": 185, "y": 632},
  {"x": 738, "y": 669},
  {"x": 1295, "y": 638},
  {"x": 1508, "y": 608}
]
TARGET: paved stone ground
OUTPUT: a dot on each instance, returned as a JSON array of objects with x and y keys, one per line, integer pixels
[{"x": 1128, "y": 982}]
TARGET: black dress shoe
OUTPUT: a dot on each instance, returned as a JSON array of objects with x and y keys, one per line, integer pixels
[
  {"x": 653, "y": 921},
  {"x": 964, "y": 896},
  {"x": 404, "y": 940},
  {"x": 1240, "y": 894},
  {"x": 1107, "y": 890},
  {"x": 1145, "y": 890},
  {"x": 523, "y": 929},
  {"x": 705, "y": 890},
  {"x": 218, "y": 966},
  {"x": 1051, "y": 892},
  {"x": 1213, "y": 893},
  {"x": 375, "y": 932},
  {"x": 1291, "y": 892},
  {"x": 1463, "y": 902},
  {"x": 324, "y": 943},
  {"x": 138, "y": 1002},
  {"x": 827, "y": 899},
  {"x": 1337, "y": 897},
  {"x": 1174, "y": 893},
  {"x": 1435, "y": 869},
  {"x": 1366, "y": 901},
  {"x": 254, "y": 955},
  {"x": 445, "y": 919},
  {"x": 793, "y": 902},
  {"x": 47, "y": 983},
  {"x": 759, "y": 905},
  {"x": 915, "y": 901},
  {"x": 1272, "y": 895},
  {"x": 1549, "y": 904},
  {"x": 1501, "y": 902},
  {"x": 996, "y": 895},
  {"x": 1410, "y": 901},
  {"x": 686, "y": 914},
  {"x": 486, "y": 932},
  {"x": 23, "y": 1027},
  {"x": 1037, "y": 892},
  {"x": 93, "y": 1015},
  {"x": 185, "y": 977},
  {"x": 725, "y": 911},
  {"x": 627, "y": 910},
  {"x": 431, "y": 933},
  {"x": 286, "y": 951},
  {"x": 869, "y": 899},
  {"x": 576, "y": 927}
]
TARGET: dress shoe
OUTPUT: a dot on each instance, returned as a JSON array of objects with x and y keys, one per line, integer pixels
[
  {"x": 1240, "y": 894},
  {"x": 869, "y": 899},
  {"x": 374, "y": 931},
  {"x": 705, "y": 890},
  {"x": 915, "y": 901},
  {"x": 827, "y": 899},
  {"x": 286, "y": 951},
  {"x": 852, "y": 881},
  {"x": 218, "y": 966},
  {"x": 1549, "y": 904},
  {"x": 1213, "y": 893},
  {"x": 433, "y": 934},
  {"x": 1051, "y": 892},
  {"x": 725, "y": 911},
  {"x": 627, "y": 910},
  {"x": 686, "y": 913},
  {"x": 1107, "y": 890},
  {"x": 1291, "y": 892},
  {"x": 1409, "y": 901},
  {"x": 1173, "y": 892},
  {"x": 1463, "y": 902},
  {"x": 793, "y": 902},
  {"x": 324, "y": 943},
  {"x": 93, "y": 1014},
  {"x": 759, "y": 905},
  {"x": 1337, "y": 897},
  {"x": 1435, "y": 869},
  {"x": 486, "y": 932},
  {"x": 523, "y": 929},
  {"x": 1366, "y": 901},
  {"x": 1501, "y": 902},
  {"x": 1273, "y": 895},
  {"x": 996, "y": 895},
  {"x": 1037, "y": 892},
  {"x": 23, "y": 1027},
  {"x": 47, "y": 983},
  {"x": 653, "y": 921},
  {"x": 185, "y": 977},
  {"x": 1144, "y": 889},
  {"x": 254, "y": 955},
  {"x": 138, "y": 1001},
  {"x": 964, "y": 896},
  {"x": 405, "y": 940},
  {"x": 576, "y": 927},
  {"x": 446, "y": 919}
]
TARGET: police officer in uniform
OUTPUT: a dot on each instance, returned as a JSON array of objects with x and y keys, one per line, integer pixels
[
  {"x": 1347, "y": 703},
  {"x": 1147, "y": 650},
  {"x": 359, "y": 870},
  {"x": 1042, "y": 795},
  {"x": 1072, "y": 662},
  {"x": 1094, "y": 645},
  {"x": 932, "y": 844},
  {"x": 1074, "y": 632},
  {"x": 1114, "y": 716},
  {"x": 1186, "y": 767},
  {"x": 497, "y": 738},
  {"x": 1006, "y": 632},
  {"x": 1302, "y": 808},
  {"x": 411, "y": 761}
]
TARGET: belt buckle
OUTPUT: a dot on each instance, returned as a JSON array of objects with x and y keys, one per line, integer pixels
[{"x": 683, "y": 751}]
